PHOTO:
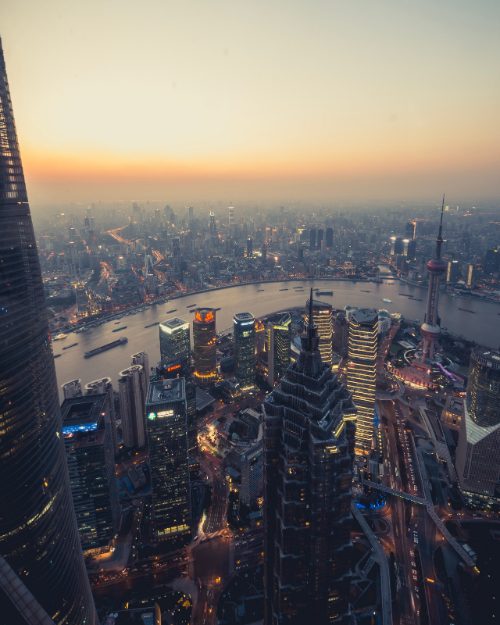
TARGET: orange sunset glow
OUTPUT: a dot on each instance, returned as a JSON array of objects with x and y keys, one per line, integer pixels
[{"x": 192, "y": 101}]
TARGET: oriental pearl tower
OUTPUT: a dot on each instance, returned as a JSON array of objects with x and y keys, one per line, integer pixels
[{"x": 431, "y": 327}]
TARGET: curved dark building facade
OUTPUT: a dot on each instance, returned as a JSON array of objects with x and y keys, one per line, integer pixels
[{"x": 38, "y": 532}]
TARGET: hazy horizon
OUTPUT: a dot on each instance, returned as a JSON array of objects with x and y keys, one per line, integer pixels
[{"x": 222, "y": 102}]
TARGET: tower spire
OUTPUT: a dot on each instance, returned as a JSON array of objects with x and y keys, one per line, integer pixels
[{"x": 439, "y": 240}]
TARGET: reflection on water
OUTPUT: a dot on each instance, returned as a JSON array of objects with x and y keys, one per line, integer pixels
[{"x": 262, "y": 299}]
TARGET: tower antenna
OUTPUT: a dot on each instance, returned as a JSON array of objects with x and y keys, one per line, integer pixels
[{"x": 439, "y": 241}]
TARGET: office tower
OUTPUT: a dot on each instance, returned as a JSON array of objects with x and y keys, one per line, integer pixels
[
  {"x": 73, "y": 388},
  {"x": 470, "y": 280},
  {"x": 323, "y": 320},
  {"x": 491, "y": 262},
  {"x": 431, "y": 327},
  {"x": 362, "y": 373},
  {"x": 260, "y": 336},
  {"x": 340, "y": 334},
  {"x": 104, "y": 386},
  {"x": 278, "y": 346},
  {"x": 168, "y": 452},
  {"x": 91, "y": 462},
  {"x": 452, "y": 272},
  {"x": 249, "y": 247},
  {"x": 412, "y": 249},
  {"x": 312, "y": 238},
  {"x": 319, "y": 239},
  {"x": 478, "y": 458},
  {"x": 308, "y": 464},
  {"x": 263, "y": 252},
  {"x": 244, "y": 348},
  {"x": 329, "y": 238},
  {"x": 205, "y": 345},
  {"x": 212, "y": 225},
  {"x": 230, "y": 218},
  {"x": 392, "y": 241},
  {"x": 175, "y": 349},
  {"x": 132, "y": 390},
  {"x": 38, "y": 532},
  {"x": 252, "y": 474},
  {"x": 175, "y": 343}
]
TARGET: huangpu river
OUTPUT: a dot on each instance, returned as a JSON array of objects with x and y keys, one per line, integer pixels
[{"x": 482, "y": 325}]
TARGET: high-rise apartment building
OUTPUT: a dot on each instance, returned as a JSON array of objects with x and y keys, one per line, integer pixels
[
  {"x": 168, "y": 452},
  {"x": 38, "y": 533},
  {"x": 478, "y": 458},
  {"x": 323, "y": 321},
  {"x": 362, "y": 372},
  {"x": 91, "y": 462},
  {"x": 205, "y": 345},
  {"x": 73, "y": 388},
  {"x": 132, "y": 390},
  {"x": 244, "y": 348},
  {"x": 175, "y": 343},
  {"x": 308, "y": 465},
  {"x": 279, "y": 337}
]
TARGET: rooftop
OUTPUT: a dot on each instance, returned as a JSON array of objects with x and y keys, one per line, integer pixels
[
  {"x": 166, "y": 391},
  {"x": 174, "y": 324},
  {"x": 365, "y": 315},
  {"x": 243, "y": 316}
]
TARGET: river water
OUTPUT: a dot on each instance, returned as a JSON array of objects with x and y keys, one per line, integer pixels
[{"x": 482, "y": 327}]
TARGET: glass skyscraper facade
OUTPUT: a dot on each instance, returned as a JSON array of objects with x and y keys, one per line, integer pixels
[
  {"x": 244, "y": 348},
  {"x": 278, "y": 346},
  {"x": 308, "y": 466},
  {"x": 90, "y": 452},
  {"x": 175, "y": 343},
  {"x": 323, "y": 320},
  {"x": 168, "y": 451},
  {"x": 205, "y": 345},
  {"x": 478, "y": 458},
  {"x": 38, "y": 532},
  {"x": 362, "y": 372}
]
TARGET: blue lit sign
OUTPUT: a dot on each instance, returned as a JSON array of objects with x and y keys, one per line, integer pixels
[{"x": 68, "y": 430}]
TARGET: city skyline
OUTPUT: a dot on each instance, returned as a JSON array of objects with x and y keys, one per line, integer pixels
[{"x": 255, "y": 103}]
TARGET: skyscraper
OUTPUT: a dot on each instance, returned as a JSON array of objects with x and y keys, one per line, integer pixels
[
  {"x": 168, "y": 452},
  {"x": 205, "y": 344},
  {"x": 244, "y": 348},
  {"x": 132, "y": 389},
  {"x": 323, "y": 321},
  {"x": 91, "y": 462},
  {"x": 478, "y": 460},
  {"x": 38, "y": 533},
  {"x": 308, "y": 463},
  {"x": 175, "y": 343},
  {"x": 431, "y": 327},
  {"x": 362, "y": 372},
  {"x": 278, "y": 346}
]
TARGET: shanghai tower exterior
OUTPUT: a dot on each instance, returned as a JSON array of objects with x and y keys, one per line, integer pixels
[
  {"x": 308, "y": 466},
  {"x": 38, "y": 532}
]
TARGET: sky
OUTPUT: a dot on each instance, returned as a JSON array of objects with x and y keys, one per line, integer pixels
[{"x": 253, "y": 101}]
